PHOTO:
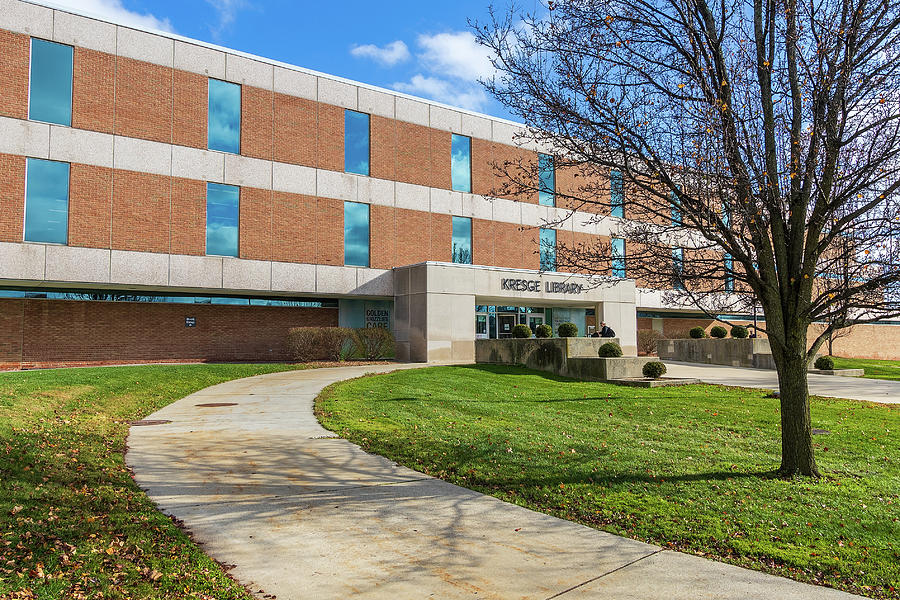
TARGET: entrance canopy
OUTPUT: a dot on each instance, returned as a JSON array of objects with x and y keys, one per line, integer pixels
[{"x": 435, "y": 304}]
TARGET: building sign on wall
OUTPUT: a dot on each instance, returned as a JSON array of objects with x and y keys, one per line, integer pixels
[
  {"x": 190, "y": 321},
  {"x": 378, "y": 317},
  {"x": 534, "y": 285}
]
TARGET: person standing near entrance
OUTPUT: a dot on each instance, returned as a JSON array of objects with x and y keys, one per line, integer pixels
[{"x": 606, "y": 331}]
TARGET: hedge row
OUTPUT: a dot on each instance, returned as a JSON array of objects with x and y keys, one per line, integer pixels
[{"x": 307, "y": 344}]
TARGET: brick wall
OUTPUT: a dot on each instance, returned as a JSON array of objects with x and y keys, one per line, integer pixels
[
  {"x": 141, "y": 212},
  {"x": 60, "y": 332},
  {"x": 12, "y": 197},
  {"x": 14, "y": 58},
  {"x": 93, "y": 90},
  {"x": 90, "y": 202},
  {"x": 144, "y": 100}
]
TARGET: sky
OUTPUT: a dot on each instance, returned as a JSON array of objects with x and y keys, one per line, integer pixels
[{"x": 423, "y": 48}]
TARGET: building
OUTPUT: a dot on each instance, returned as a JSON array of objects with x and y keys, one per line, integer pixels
[{"x": 163, "y": 199}]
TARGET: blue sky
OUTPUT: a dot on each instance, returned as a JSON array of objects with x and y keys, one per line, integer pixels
[{"x": 423, "y": 47}]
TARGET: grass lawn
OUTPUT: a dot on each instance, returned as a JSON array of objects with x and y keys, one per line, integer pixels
[
  {"x": 687, "y": 468},
  {"x": 73, "y": 524},
  {"x": 875, "y": 369}
]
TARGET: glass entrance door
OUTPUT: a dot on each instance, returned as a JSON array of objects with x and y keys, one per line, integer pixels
[
  {"x": 481, "y": 327},
  {"x": 535, "y": 320},
  {"x": 505, "y": 324}
]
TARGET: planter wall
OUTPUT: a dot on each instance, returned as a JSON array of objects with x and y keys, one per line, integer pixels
[
  {"x": 569, "y": 357},
  {"x": 754, "y": 353}
]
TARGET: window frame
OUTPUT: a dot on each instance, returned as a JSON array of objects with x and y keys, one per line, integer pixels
[
  {"x": 368, "y": 234},
  {"x": 618, "y": 266},
  {"x": 237, "y": 249},
  {"x": 619, "y": 186},
  {"x": 453, "y": 220},
  {"x": 25, "y": 201},
  {"x": 678, "y": 268},
  {"x": 541, "y": 246},
  {"x": 31, "y": 79},
  {"x": 728, "y": 267},
  {"x": 240, "y": 137},
  {"x": 368, "y": 116},
  {"x": 454, "y": 136},
  {"x": 542, "y": 160}
]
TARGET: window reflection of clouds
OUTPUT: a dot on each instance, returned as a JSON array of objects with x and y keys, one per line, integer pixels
[
  {"x": 356, "y": 142},
  {"x": 356, "y": 234},
  {"x": 47, "y": 201},
  {"x": 224, "y": 116},
  {"x": 618, "y": 257},
  {"x": 547, "y": 180},
  {"x": 222, "y": 215},
  {"x": 548, "y": 249},
  {"x": 461, "y": 163},
  {"x": 50, "y": 98},
  {"x": 462, "y": 240}
]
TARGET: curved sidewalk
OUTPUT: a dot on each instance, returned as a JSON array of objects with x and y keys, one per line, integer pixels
[{"x": 303, "y": 514}]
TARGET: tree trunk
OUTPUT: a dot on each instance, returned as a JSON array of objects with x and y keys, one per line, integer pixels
[{"x": 797, "y": 457}]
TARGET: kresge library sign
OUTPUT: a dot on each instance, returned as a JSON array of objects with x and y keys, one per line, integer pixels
[{"x": 534, "y": 285}]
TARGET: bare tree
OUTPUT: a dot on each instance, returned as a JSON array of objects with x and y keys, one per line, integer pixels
[{"x": 754, "y": 142}]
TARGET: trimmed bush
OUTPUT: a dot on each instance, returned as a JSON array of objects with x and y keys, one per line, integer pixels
[
  {"x": 740, "y": 332},
  {"x": 373, "y": 343},
  {"x": 646, "y": 340},
  {"x": 718, "y": 332},
  {"x": 567, "y": 330},
  {"x": 543, "y": 331},
  {"x": 680, "y": 334},
  {"x": 825, "y": 363},
  {"x": 697, "y": 333},
  {"x": 306, "y": 344},
  {"x": 521, "y": 331},
  {"x": 610, "y": 350},
  {"x": 654, "y": 370}
]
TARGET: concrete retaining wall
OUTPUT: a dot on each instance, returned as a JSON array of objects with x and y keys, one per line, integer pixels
[
  {"x": 569, "y": 357},
  {"x": 751, "y": 353}
]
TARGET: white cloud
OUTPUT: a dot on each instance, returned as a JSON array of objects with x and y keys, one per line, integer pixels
[
  {"x": 114, "y": 11},
  {"x": 469, "y": 95},
  {"x": 227, "y": 12},
  {"x": 389, "y": 55},
  {"x": 455, "y": 54}
]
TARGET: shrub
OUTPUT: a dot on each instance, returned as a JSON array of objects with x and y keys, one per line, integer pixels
[
  {"x": 610, "y": 350},
  {"x": 373, "y": 343},
  {"x": 698, "y": 333},
  {"x": 654, "y": 370},
  {"x": 825, "y": 363},
  {"x": 718, "y": 332},
  {"x": 678, "y": 334},
  {"x": 543, "y": 331},
  {"x": 567, "y": 330},
  {"x": 318, "y": 343},
  {"x": 739, "y": 331},
  {"x": 646, "y": 340},
  {"x": 521, "y": 331}
]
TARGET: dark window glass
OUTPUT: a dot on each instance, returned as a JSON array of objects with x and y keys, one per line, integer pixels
[
  {"x": 616, "y": 194},
  {"x": 678, "y": 267},
  {"x": 224, "y": 126},
  {"x": 618, "y": 257},
  {"x": 356, "y": 234},
  {"x": 222, "y": 218},
  {"x": 50, "y": 91},
  {"x": 729, "y": 273},
  {"x": 462, "y": 240},
  {"x": 461, "y": 163},
  {"x": 47, "y": 201},
  {"x": 548, "y": 249},
  {"x": 547, "y": 180},
  {"x": 356, "y": 142}
]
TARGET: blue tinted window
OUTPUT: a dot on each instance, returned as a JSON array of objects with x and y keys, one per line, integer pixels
[
  {"x": 675, "y": 201},
  {"x": 547, "y": 180},
  {"x": 224, "y": 127},
  {"x": 461, "y": 163},
  {"x": 616, "y": 194},
  {"x": 548, "y": 249},
  {"x": 47, "y": 201},
  {"x": 678, "y": 267},
  {"x": 618, "y": 257},
  {"x": 726, "y": 214},
  {"x": 50, "y": 92},
  {"x": 356, "y": 234},
  {"x": 222, "y": 217},
  {"x": 356, "y": 142},
  {"x": 462, "y": 240},
  {"x": 729, "y": 273}
]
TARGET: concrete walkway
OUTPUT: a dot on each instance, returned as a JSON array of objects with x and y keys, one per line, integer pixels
[
  {"x": 302, "y": 514},
  {"x": 855, "y": 388}
]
